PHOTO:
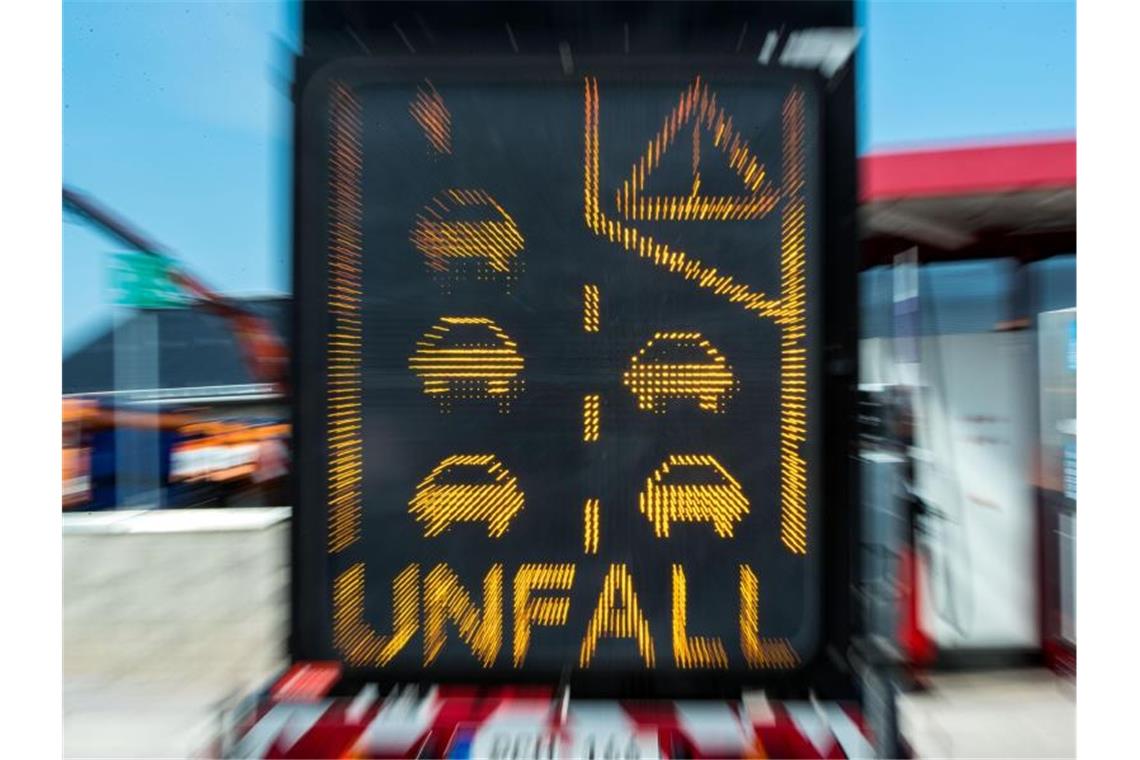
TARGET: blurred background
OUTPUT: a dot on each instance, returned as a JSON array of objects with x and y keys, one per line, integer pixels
[{"x": 177, "y": 239}]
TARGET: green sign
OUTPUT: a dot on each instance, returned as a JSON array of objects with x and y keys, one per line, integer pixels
[{"x": 144, "y": 281}]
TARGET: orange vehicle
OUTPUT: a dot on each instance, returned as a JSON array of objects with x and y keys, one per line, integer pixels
[
  {"x": 76, "y": 453},
  {"x": 223, "y": 450},
  {"x": 198, "y": 451}
]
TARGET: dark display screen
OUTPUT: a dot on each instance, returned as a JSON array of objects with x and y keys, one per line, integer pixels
[{"x": 571, "y": 362}]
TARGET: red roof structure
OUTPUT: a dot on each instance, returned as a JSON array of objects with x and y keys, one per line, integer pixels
[
  {"x": 968, "y": 171},
  {"x": 1014, "y": 199}
]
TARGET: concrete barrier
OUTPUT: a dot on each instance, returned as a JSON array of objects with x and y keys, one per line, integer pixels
[{"x": 166, "y": 613}]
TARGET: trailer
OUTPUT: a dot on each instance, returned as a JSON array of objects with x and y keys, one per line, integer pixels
[{"x": 574, "y": 371}]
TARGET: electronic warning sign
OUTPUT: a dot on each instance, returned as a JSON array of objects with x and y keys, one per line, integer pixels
[{"x": 568, "y": 340}]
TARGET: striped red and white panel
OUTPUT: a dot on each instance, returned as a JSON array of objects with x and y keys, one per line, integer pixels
[{"x": 530, "y": 726}]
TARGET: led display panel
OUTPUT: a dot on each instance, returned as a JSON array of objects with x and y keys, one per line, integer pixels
[{"x": 569, "y": 349}]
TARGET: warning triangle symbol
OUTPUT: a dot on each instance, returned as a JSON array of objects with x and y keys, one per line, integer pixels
[{"x": 698, "y": 128}]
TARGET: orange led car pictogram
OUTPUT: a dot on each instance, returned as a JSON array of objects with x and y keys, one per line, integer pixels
[
  {"x": 692, "y": 488},
  {"x": 679, "y": 365},
  {"x": 467, "y": 488},
  {"x": 467, "y": 357},
  {"x": 467, "y": 224}
]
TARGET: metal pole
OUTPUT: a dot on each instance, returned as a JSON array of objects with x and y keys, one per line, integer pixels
[{"x": 138, "y": 448}]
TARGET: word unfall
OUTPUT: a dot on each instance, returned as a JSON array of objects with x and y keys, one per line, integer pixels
[{"x": 433, "y": 600}]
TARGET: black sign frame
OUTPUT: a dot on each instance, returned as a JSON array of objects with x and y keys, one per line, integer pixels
[{"x": 826, "y": 670}]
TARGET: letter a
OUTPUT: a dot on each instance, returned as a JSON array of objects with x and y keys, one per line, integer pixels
[{"x": 621, "y": 620}]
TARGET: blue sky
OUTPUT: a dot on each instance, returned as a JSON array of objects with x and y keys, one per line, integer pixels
[
  {"x": 938, "y": 72},
  {"x": 177, "y": 116}
]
